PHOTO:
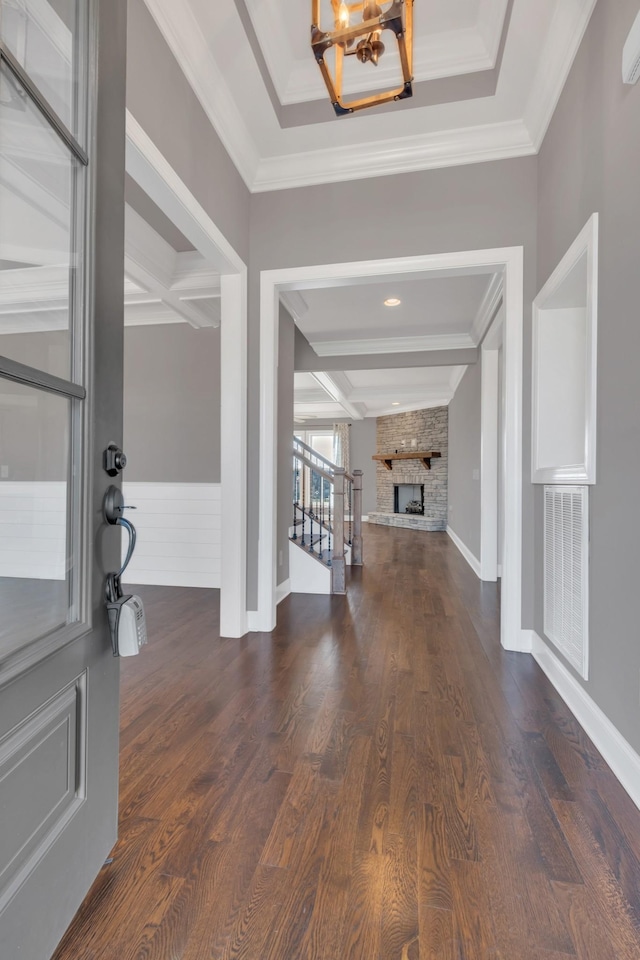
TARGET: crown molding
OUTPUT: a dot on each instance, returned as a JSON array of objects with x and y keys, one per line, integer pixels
[
  {"x": 193, "y": 277},
  {"x": 442, "y": 401},
  {"x": 490, "y": 303},
  {"x": 151, "y": 314},
  {"x": 456, "y": 377},
  {"x": 566, "y": 32},
  {"x": 427, "y": 151},
  {"x": 185, "y": 39},
  {"x": 387, "y": 395},
  {"x": 294, "y": 303},
  {"x": 338, "y": 348},
  {"x": 491, "y": 18}
]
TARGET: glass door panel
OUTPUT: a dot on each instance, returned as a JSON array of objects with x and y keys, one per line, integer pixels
[
  {"x": 39, "y": 262},
  {"x": 36, "y": 540},
  {"x": 43, "y": 36}
]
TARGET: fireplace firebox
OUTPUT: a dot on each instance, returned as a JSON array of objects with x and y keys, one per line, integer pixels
[{"x": 408, "y": 498}]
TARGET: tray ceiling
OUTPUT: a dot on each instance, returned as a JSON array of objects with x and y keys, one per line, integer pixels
[{"x": 488, "y": 77}]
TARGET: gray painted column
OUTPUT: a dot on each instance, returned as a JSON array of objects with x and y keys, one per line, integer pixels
[{"x": 338, "y": 573}]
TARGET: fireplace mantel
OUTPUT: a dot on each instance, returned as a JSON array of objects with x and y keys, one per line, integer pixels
[{"x": 425, "y": 457}]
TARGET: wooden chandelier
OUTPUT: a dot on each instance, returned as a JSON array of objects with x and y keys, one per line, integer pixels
[{"x": 363, "y": 40}]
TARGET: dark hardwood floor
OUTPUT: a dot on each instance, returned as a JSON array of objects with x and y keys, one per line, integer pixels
[{"x": 377, "y": 780}]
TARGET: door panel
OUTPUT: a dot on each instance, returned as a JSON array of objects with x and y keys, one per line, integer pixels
[{"x": 58, "y": 679}]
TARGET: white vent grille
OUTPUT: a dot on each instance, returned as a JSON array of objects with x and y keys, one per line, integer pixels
[{"x": 566, "y": 572}]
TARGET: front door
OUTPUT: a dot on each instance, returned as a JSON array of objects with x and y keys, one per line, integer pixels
[{"x": 62, "y": 110}]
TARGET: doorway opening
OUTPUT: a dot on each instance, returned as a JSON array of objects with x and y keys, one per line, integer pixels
[
  {"x": 160, "y": 183},
  {"x": 508, "y": 262}
]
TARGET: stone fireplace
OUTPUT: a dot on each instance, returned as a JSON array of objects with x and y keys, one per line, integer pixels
[{"x": 408, "y": 480}]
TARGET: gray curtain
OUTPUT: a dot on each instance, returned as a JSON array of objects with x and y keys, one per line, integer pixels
[{"x": 342, "y": 445}]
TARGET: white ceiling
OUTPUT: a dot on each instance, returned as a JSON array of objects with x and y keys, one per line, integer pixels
[
  {"x": 373, "y": 393},
  {"x": 212, "y": 44},
  {"x": 338, "y": 319}
]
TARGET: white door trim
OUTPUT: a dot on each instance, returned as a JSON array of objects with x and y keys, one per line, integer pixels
[
  {"x": 149, "y": 168},
  {"x": 508, "y": 260},
  {"x": 490, "y": 449}
]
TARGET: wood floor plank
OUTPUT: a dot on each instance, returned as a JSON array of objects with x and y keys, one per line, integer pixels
[
  {"x": 374, "y": 818},
  {"x": 434, "y": 868},
  {"x": 375, "y": 780},
  {"x": 473, "y": 923},
  {"x": 610, "y": 908},
  {"x": 400, "y": 933},
  {"x": 436, "y": 934}
]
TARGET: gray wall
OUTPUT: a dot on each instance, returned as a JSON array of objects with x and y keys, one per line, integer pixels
[
  {"x": 286, "y": 341},
  {"x": 589, "y": 162},
  {"x": 460, "y": 208},
  {"x": 161, "y": 100},
  {"x": 464, "y": 458},
  {"x": 363, "y": 447},
  {"x": 172, "y": 403}
]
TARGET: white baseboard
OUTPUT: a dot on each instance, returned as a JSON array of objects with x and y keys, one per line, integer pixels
[
  {"x": 618, "y": 753},
  {"x": 365, "y": 518},
  {"x": 473, "y": 561},
  {"x": 283, "y": 590},
  {"x": 254, "y": 623}
]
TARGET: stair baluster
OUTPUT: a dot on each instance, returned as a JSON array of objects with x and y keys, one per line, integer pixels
[
  {"x": 296, "y": 496},
  {"x": 330, "y": 532},
  {"x": 322, "y": 526},
  {"x": 311, "y": 474},
  {"x": 304, "y": 503}
]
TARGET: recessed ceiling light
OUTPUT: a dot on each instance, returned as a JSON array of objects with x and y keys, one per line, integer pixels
[
  {"x": 392, "y": 302},
  {"x": 396, "y": 403}
]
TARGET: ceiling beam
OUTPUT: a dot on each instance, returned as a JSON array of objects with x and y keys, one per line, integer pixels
[
  {"x": 452, "y": 341},
  {"x": 333, "y": 384}
]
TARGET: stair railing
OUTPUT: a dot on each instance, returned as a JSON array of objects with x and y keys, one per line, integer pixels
[{"x": 328, "y": 500}]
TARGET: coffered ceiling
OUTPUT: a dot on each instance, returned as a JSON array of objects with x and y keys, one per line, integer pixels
[
  {"x": 427, "y": 315},
  {"x": 488, "y": 75},
  {"x": 372, "y": 393}
]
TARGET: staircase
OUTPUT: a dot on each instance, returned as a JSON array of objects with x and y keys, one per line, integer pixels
[{"x": 326, "y": 533}]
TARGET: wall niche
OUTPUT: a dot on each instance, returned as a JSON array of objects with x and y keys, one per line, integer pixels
[{"x": 565, "y": 367}]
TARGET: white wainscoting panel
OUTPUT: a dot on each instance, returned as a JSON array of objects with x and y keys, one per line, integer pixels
[
  {"x": 33, "y": 529},
  {"x": 178, "y": 527}
]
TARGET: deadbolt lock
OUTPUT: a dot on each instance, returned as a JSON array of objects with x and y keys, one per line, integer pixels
[{"x": 114, "y": 460}]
